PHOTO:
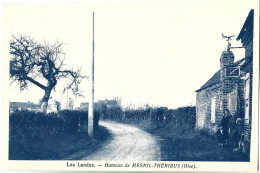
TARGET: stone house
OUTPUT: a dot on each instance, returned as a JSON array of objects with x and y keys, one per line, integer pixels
[
  {"x": 15, "y": 106},
  {"x": 229, "y": 88}
]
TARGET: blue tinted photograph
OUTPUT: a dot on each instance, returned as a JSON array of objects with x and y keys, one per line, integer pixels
[{"x": 133, "y": 81}]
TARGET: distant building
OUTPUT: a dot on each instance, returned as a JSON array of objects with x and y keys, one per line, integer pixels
[
  {"x": 98, "y": 105},
  {"x": 14, "y": 106},
  {"x": 108, "y": 103},
  {"x": 83, "y": 106},
  {"x": 229, "y": 88},
  {"x": 53, "y": 106}
]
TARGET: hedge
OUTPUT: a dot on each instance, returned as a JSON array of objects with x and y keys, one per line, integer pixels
[{"x": 35, "y": 125}]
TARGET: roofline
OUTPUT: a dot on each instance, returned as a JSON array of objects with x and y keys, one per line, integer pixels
[
  {"x": 251, "y": 13},
  {"x": 206, "y": 87},
  {"x": 235, "y": 63}
]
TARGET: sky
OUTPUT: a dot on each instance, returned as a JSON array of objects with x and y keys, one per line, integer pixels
[{"x": 146, "y": 52}]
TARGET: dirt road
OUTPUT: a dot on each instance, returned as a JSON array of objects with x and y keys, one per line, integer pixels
[{"x": 128, "y": 144}]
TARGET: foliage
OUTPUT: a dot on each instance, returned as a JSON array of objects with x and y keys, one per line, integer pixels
[
  {"x": 36, "y": 125},
  {"x": 185, "y": 115},
  {"x": 158, "y": 117},
  {"x": 35, "y": 135}
]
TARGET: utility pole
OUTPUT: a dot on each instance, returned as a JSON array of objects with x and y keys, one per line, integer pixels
[
  {"x": 91, "y": 103},
  {"x": 67, "y": 106}
]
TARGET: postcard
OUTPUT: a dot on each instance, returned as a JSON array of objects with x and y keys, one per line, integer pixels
[{"x": 130, "y": 86}]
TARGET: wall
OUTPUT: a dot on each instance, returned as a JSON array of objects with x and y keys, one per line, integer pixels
[{"x": 203, "y": 108}]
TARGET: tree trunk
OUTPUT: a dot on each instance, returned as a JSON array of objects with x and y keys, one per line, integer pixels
[{"x": 45, "y": 99}]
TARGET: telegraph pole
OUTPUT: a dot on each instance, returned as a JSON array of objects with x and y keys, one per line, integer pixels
[{"x": 91, "y": 103}]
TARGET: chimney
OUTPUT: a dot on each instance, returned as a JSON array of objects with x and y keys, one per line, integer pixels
[{"x": 226, "y": 59}]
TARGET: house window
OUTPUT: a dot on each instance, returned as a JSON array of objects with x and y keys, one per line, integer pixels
[
  {"x": 232, "y": 101},
  {"x": 213, "y": 110},
  {"x": 246, "y": 94}
]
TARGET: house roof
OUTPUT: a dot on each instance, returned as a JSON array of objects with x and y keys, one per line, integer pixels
[
  {"x": 24, "y": 105},
  {"x": 213, "y": 80},
  {"x": 247, "y": 25},
  {"x": 245, "y": 32},
  {"x": 216, "y": 77}
]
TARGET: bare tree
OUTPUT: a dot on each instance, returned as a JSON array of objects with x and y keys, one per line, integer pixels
[
  {"x": 118, "y": 101},
  {"x": 41, "y": 65}
]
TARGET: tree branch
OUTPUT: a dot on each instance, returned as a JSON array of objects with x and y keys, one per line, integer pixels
[{"x": 36, "y": 83}]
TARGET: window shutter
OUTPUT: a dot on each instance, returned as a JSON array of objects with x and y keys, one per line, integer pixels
[
  {"x": 213, "y": 110},
  {"x": 246, "y": 94}
]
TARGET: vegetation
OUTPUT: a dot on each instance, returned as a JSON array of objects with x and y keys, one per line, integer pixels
[
  {"x": 41, "y": 65},
  {"x": 35, "y": 135},
  {"x": 152, "y": 118},
  {"x": 63, "y": 135}
]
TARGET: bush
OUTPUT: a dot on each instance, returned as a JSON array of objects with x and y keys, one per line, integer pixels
[
  {"x": 154, "y": 117},
  {"x": 35, "y": 125},
  {"x": 205, "y": 132},
  {"x": 185, "y": 115},
  {"x": 74, "y": 120},
  {"x": 34, "y": 135}
]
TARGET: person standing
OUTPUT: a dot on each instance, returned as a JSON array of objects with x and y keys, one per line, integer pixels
[
  {"x": 232, "y": 131},
  {"x": 220, "y": 137},
  {"x": 236, "y": 134},
  {"x": 225, "y": 125}
]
